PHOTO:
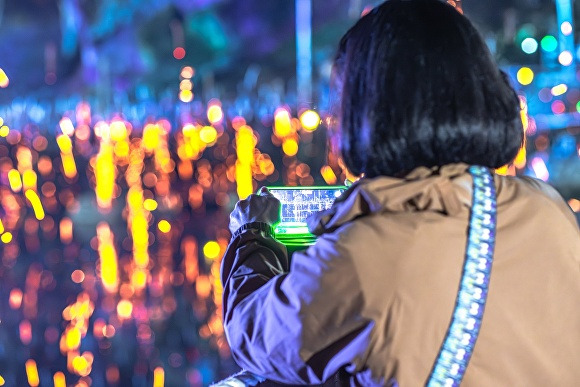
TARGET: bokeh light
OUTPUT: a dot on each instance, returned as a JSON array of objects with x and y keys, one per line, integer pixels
[
  {"x": 211, "y": 250},
  {"x": 4, "y": 81},
  {"x": 310, "y": 120},
  {"x": 549, "y": 43},
  {"x": 529, "y": 45},
  {"x": 566, "y": 28},
  {"x": 525, "y": 75},
  {"x": 179, "y": 53},
  {"x": 565, "y": 58}
]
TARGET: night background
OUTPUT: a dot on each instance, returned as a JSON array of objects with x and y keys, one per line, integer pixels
[{"x": 128, "y": 131}]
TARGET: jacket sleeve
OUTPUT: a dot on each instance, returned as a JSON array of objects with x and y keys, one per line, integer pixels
[{"x": 297, "y": 326}]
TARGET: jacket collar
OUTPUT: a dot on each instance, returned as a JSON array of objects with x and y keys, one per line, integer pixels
[{"x": 444, "y": 189}]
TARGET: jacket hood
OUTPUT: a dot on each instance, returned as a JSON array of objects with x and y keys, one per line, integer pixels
[{"x": 444, "y": 189}]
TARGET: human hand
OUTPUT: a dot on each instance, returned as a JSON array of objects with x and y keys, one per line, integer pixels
[{"x": 261, "y": 207}]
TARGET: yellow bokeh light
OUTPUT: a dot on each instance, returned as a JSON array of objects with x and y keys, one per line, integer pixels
[
  {"x": 108, "y": 258},
  {"x": 150, "y": 204},
  {"x": 290, "y": 147},
  {"x": 1, "y": 226},
  {"x": 6, "y": 237},
  {"x": 211, "y": 250},
  {"x": 29, "y": 179},
  {"x": 15, "y": 180},
  {"x": 4, "y": 131},
  {"x": 124, "y": 309},
  {"x": 208, "y": 134},
  {"x": 310, "y": 120},
  {"x": 36, "y": 204},
  {"x": 186, "y": 84},
  {"x": 66, "y": 126},
  {"x": 118, "y": 130},
  {"x": 186, "y": 95},
  {"x": 158, "y": 377},
  {"x": 164, "y": 226},
  {"x": 73, "y": 338},
  {"x": 59, "y": 379},
  {"x": 139, "y": 279},
  {"x": 328, "y": 175},
  {"x": 559, "y": 89},
  {"x": 525, "y": 76},
  {"x": 4, "y": 81},
  {"x": 187, "y": 72},
  {"x": 2, "y": 381},
  {"x": 282, "y": 123},
  {"x": 64, "y": 143},
  {"x": 32, "y": 373},
  {"x": 215, "y": 114},
  {"x": 80, "y": 365}
]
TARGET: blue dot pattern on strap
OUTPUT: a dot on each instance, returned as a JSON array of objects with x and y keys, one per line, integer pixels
[{"x": 458, "y": 344}]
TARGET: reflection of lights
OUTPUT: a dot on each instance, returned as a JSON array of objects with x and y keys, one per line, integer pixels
[
  {"x": 36, "y": 204},
  {"x": 558, "y": 107},
  {"x": 150, "y": 204},
  {"x": 67, "y": 126},
  {"x": 29, "y": 179},
  {"x": 215, "y": 114},
  {"x": 14, "y": 180},
  {"x": 118, "y": 130},
  {"x": 559, "y": 89},
  {"x": 290, "y": 147},
  {"x": 4, "y": 81},
  {"x": 328, "y": 175},
  {"x": 566, "y": 28},
  {"x": 549, "y": 43},
  {"x": 186, "y": 96},
  {"x": 77, "y": 276},
  {"x": 540, "y": 169},
  {"x": 158, "y": 377},
  {"x": 565, "y": 58},
  {"x": 310, "y": 120},
  {"x": 525, "y": 76},
  {"x": 179, "y": 53},
  {"x": 208, "y": 134},
  {"x": 32, "y": 373},
  {"x": 59, "y": 379},
  {"x": 105, "y": 173},
  {"x": 245, "y": 143},
  {"x": 6, "y": 237},
  {"x": 282, "y": 123},
  {"x": 4, "y": 131},
  {"x": 187, "y": 72},
  {"x": 186, "y": 84},
  {"x": 15, "y": 299},
  {"x": 164, "y": 226},
  {"x": 211, "y": 250},
  {"x": 124, "y": 309},
  {"x": 72, "y": 338},
  {"x": 108, "y": 258},
  {"x": 529, "y": 45}
]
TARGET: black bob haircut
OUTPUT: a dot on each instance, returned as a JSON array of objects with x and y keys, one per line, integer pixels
[{"x": 418, "y": 87}]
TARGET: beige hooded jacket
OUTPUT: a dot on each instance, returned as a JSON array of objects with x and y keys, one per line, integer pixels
[{"x": 376, "y": 293}]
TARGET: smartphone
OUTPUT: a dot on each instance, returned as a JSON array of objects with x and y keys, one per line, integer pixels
[{"x": 297, "y": 204}]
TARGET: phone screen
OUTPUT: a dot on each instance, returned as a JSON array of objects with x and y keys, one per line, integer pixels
[{"x": 300, "y": 202}]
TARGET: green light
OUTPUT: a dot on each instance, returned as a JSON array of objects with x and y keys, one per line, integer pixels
[
  {"x": 549, "y": 43},
  {"x": 578, "y": 106}
]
